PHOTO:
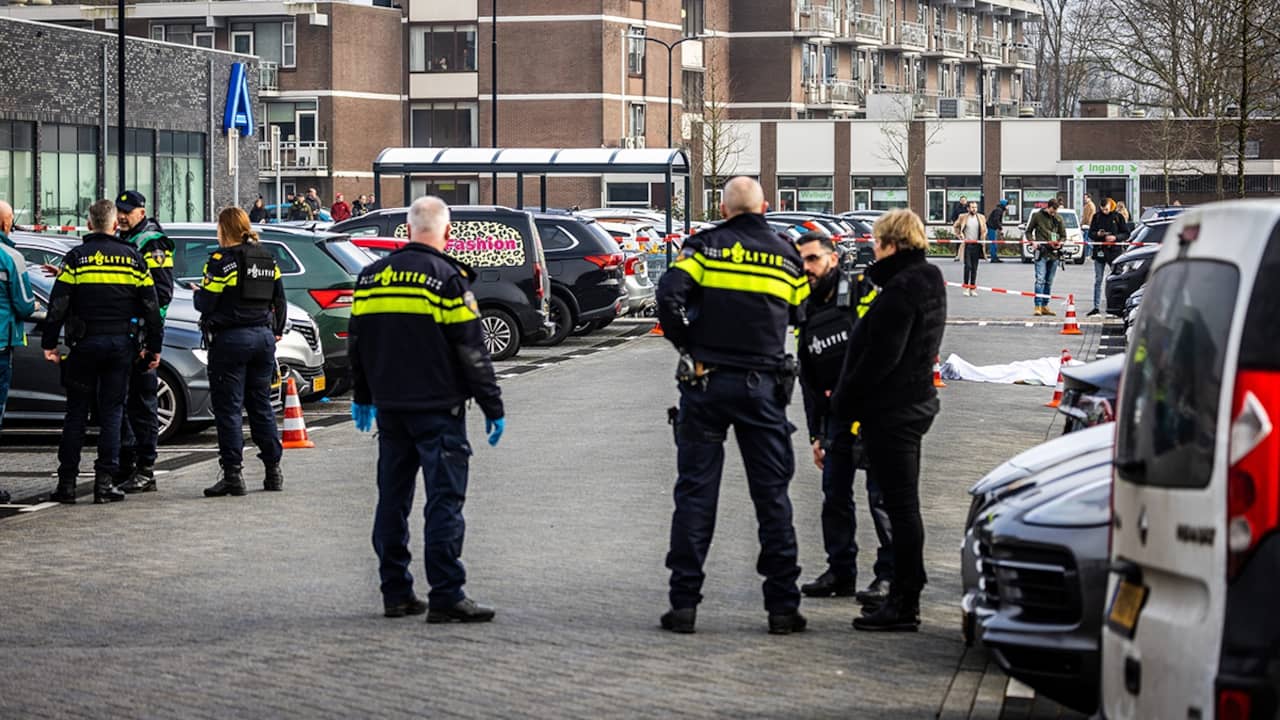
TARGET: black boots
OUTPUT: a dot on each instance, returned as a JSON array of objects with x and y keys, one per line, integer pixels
[
  {"x": 896, "y": 614},
  {"x": 828, "y": 585},
  {"x": 875, "y": 593},
  {"x": 141, "y": 480},
  {"x": 66, "y": 491},
  {"x": 274, "y": 479},
  {"x": 231, "y": 483},
  {"x": 408, "y": 607},
  {"x": 104, "y": 490},
  {"x": 786, "y": 623},
  {"x": 466, "y": 611},
  {"x": 679, "y": 620}
]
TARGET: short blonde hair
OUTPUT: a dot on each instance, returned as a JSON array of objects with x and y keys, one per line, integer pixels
[{"x": 901, "y": 228}]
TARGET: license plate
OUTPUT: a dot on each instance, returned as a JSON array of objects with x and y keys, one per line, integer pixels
[
  {"x": 1126, "y": 605},
  {"x": 318, "y": 383}
]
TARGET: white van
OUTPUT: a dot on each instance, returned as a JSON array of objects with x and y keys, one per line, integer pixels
[{"x": 1192, "y": 624}]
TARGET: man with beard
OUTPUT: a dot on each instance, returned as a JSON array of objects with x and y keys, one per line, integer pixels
[{"x": 838, "y": 299}]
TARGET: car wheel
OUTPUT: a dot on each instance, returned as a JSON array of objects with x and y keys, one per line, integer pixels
[
  {"x": 171, "y": 405},
  {"x": 602, "y": 323},
  {"x": 501, "y": 334},
  {"x": 561, "y": 316},
  {"x": 585, "y": 328}
]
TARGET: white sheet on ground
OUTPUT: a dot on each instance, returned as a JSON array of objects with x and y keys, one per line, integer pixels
[{"x": 1040, "y": 371}]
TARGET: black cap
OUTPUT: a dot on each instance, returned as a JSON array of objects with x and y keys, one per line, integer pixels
[{"x": 130, "y": 200}]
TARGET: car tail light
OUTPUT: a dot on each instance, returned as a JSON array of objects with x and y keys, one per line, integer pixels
[
  {"x": 1253, "y": 479},
  {"x": 330, "y": 299},
  {"x": 1234, "y": 705},
  {"x": 538, "y": 291},
  {"x": 631, "y": 265},
  {"x": 606, "y": 262}
]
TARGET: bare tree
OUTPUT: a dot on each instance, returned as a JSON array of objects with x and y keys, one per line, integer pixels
[
  {"x": 1255, "y": 66},
  {"x": 895, "y": 139},
  {"x": 1176, "y": 144},
  {"x": 1065, "y": 60},
  {"x": 722, "y": 141}
]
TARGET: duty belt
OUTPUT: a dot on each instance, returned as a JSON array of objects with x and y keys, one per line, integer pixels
[{"x": 116, "y": 327}]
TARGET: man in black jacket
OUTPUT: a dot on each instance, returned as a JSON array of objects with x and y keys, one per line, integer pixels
[
  {"x": 725, "y": 305},
  {"x": 887, "y": 385},
  {"x": 417, "y": 303},
  {"x": 1107, "y": 232},
  {"x": 837, "y": 300},
  {"x": 995, "y": 226}
]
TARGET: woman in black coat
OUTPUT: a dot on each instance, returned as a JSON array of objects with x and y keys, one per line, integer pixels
[{"x": 887, "y": 386}]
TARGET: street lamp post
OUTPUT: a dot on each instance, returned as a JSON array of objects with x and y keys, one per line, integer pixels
[
  {"x": 982, "y": 129},
  {"x": 120, "y": 131},
  {"x": 670, "y": 50}
]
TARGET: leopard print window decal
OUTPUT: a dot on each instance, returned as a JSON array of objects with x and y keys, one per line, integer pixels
[{"x": 482, "y": 244}]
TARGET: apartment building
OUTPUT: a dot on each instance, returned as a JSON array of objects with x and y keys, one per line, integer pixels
[{"x": 329, "y": 77}]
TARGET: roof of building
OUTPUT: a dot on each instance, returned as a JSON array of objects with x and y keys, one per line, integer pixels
[{"x": 533, "y": 161}]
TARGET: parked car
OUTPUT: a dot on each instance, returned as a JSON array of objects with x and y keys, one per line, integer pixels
[
  {"x": 588, "y": 288},
  {"x": 851, "y": 232},
  {"x": 1073, "y": 247},
  {"x": 513, "y": 288},
  {"x": 1155, "y": 213},
  {"x": 641, "y": 291},
  {"x": 1191, "y": 628},
  {"x": 1089, "y": 393},
  {"x": 867, "y": 216},
  {"x": 1127, "y": 274},
  {"x": 636, "y": 236},
  {"x": 319, "y": 270},
  {"x": 321, "y": 216}
]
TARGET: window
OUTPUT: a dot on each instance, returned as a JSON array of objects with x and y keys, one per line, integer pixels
[
  {"x": 806, "y": 193},
  {"x": 886, "y": 192},
  {"x": 180, "y": 177},
  {"x": 627, "y": 195},
  {"x": 809, "y": 69},
  {"x": 694, "y": 91},
  {"x": 204, "y": 39},
  {"x": 442, "y": 48},
  {"x": 555, "y": 238},
  {"x": 454, "y": 192},
  {"x": 830, "y": 62},
  {"x": 17, "y": 169},
  {"x": 877, "y": 68},
  {"x": 286, "y": 115},
  {"x": 139, "y": 146},
  {"x": 1173, "y": 377},
  {"x": 693, "y": 19},
  {"x": 637, "y": 120},
  {"x": 68, "y": 173},
  {"x": 242, "y": 42},
  {"x": 922, "y": 77},
  {"x": 288, "y": 44},
  {"x": 635, "y": 50},
  {"x": 180, "y": 34},
  {"x": 443, "y": 125},
  {"x": 157, "y": 32}
]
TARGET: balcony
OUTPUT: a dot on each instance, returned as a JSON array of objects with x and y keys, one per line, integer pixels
[
  {"x": 950, "y": 42},
  {"x": 989, "y": 49},
  {"x": 912, "y": 36},
  {"x": 866, "y": 29},
  {"x": 847, "y": 92},
  {"x": 815, "y": 19},
  {"x": 296, "y": 157},
  {"x": 268, "y": 77},
  {"x": 1023, "y": 56}
]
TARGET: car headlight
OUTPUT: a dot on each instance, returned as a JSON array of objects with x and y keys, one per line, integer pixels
[
  {"x": 201, "y": 354},
  {"x": 1088, "y": 506}
]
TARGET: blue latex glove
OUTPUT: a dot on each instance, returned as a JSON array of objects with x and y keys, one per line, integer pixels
[
  {"x": 363, "y": 415},
  {"x": 494, "y": 429}
]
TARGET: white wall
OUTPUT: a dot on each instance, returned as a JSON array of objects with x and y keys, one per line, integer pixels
[
  {"x": 439, "y": 10},
  {"x": 745, "y": 135},
  {"x": 1030, "y": 147},
  {"x": 954, "y": 150},
  {"x": 806, "y": 147},
  {"x": 868, "y": 152},
  {"x": 431, "y": 86}
]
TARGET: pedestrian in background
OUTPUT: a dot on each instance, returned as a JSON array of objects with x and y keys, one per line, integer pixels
[
  {"x": 887, "y": 386},
  {"x": 1124, "y": 211},
  {"x": 16, "y": 305},
  {"x": 1105, "y": 234},
  {"x": 258, "y": 213},
  {"x": 140, "y": 427},
  {"x": 995, "y": 228},
  {"x": 1045, "y": 233},
  {"x": 958, "y": 211},
  {"x": 299, "y": 209},
  {"x": 242, "y": 314},
  {"x": 971, "y": 229},
  {"x": 1088, "y": 211},
  {"x": 358, "y": 206},
  {"x": 725, "y": 306},
  {"x": 837, "y": 300},
  {"x": 340, "y": 210},
  {"x": 104, "y": 288},
  {"x": 417, "y": 303},
  {"x": 313, "y": 203}
]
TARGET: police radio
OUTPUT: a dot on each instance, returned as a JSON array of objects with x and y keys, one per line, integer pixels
[{"x": 848, "y": 269}]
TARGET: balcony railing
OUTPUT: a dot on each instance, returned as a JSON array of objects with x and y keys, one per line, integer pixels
[
  {"x": 867, "y": 28},
  {"x": 988, "y": 48},
  {"x": 811, "y": 17},
  {"x": 847, "y": 92},
  {"x": 950, "y": 41},
  {"x": 1021, "y": 55},
  {"x": 295, "y": 156},
  {"x": 268, "y": 76},
  {"x": 913, "y": 34}
]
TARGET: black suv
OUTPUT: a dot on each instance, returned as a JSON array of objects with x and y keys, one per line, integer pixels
[
  {"x": 1129, "y": 271},
  {"x": 586, "y": 270},
  {"x": 502, "y": 246}
]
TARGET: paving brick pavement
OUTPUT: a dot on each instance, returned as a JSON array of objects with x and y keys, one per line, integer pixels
[{"x": 172, "y": 605}]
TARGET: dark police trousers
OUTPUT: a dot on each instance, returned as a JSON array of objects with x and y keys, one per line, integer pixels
[
  {"x": 97, "y": 368},
  {"x": 839, "y": 523},
  {"x": 436, "y": 442},
  {"x": 140, "y": 426},
  {"x": 894, "y": 457},
  {"x": 241, "y": 364},
  {"x": 747, "y": 400}
]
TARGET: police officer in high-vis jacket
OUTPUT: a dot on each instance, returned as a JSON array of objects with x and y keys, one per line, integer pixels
[
  {"x": 725, "y": 305},
  {"x": 417, "y": 357},
  {"x": 106, "y": 299},
  {"x": 840, "y": 296},
  {"x": 242, "y": 313},
  {"x": 139, "y": 430}
]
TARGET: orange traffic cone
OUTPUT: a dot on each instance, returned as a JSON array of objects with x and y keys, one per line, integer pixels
[
  {"x": 657, "y": 330},
  {"x": 1057, "y": 391},
  {"x": 937, "y": 372},
  {"x": 295, "y": 428},
  {"x": 1070, "y": 326}
]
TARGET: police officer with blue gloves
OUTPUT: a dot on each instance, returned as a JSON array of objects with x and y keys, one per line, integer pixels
[
  {"x": 242, "y": 313},
  {"x": 105, "y": 297},
  {"x": 725, "y": 305},
  {"x": 139, "y": 429},
  {"x": 417, "y": 303},
  {"x": 840, "y": 296}
]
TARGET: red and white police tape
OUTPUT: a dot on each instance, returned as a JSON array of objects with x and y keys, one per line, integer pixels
[{"x": 1002, "y": 291}]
